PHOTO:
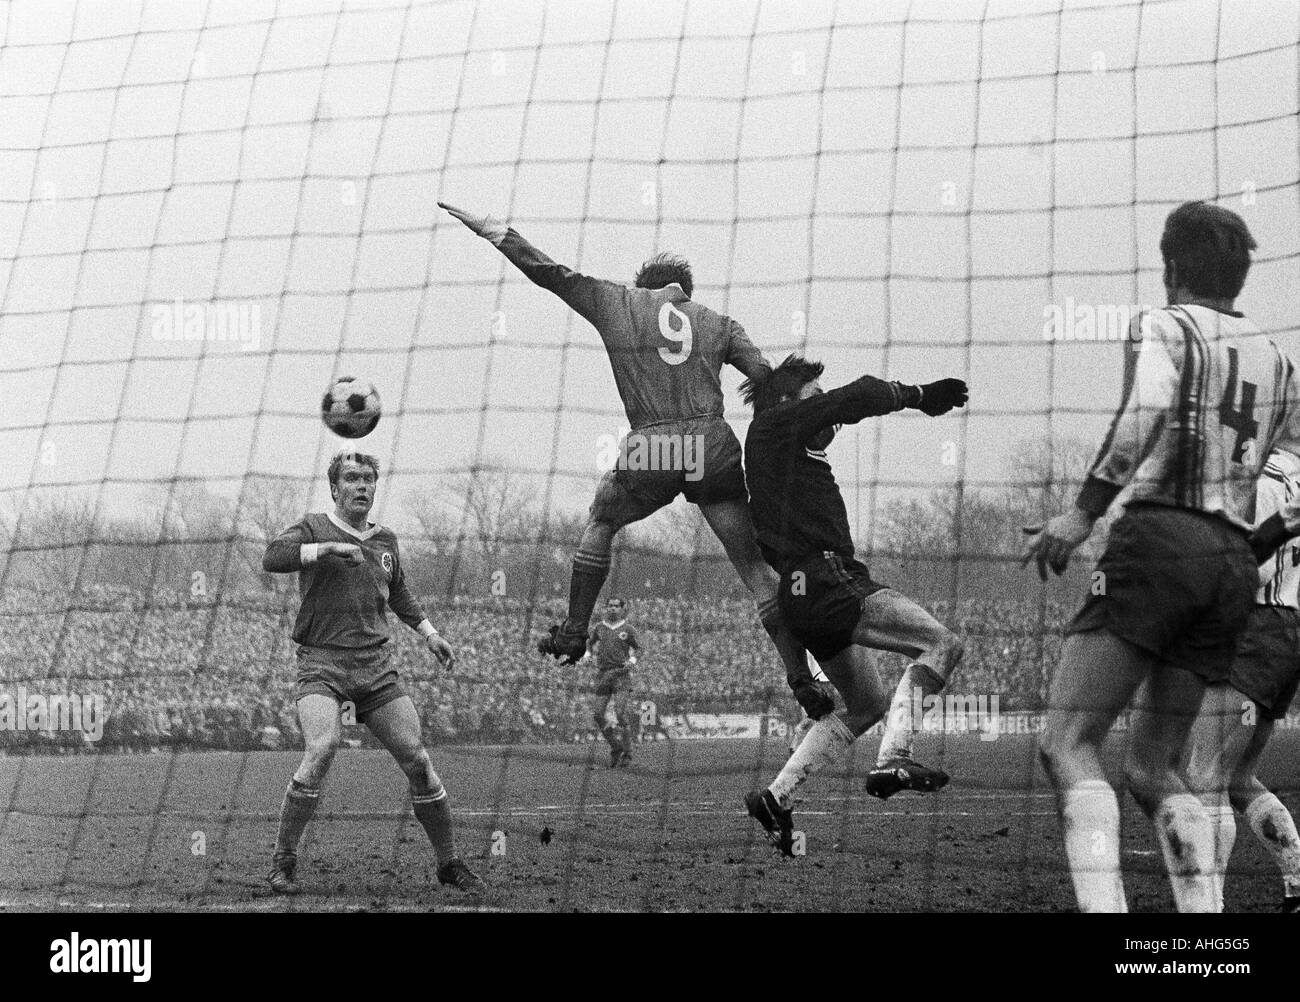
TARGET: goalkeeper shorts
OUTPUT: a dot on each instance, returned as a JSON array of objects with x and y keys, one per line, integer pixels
[
  {"x": 1178, "y": 584},
  {"x": 1267, "y": 665},
  {"x": 362, "y": 676},
  {"x": 821, "y": 601},
  {"x": 698, "y": 457}
]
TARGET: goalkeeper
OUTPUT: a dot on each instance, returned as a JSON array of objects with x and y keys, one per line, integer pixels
[{"x": 666, "y": 351}]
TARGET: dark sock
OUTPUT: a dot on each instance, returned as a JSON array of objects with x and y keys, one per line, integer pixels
[
  {"x": 611, "y": 735},
  {"x": 625, "y": 736},
  {"x": 589, "y": 573},
  {"x": 296, "y": 810},
  {"x": 435, "y": 816}
]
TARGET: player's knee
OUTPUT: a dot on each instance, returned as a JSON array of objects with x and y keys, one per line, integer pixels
[
  {"x": 419, "y": 771},
  {"x": 950, "y": 649},
  {"x": 319, "y": 750}
]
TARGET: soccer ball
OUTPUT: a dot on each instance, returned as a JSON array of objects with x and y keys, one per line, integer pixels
[{"x": 350, "y": 407}]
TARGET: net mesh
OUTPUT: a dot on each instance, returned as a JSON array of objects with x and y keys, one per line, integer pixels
[{"x": 211, "y": 209}]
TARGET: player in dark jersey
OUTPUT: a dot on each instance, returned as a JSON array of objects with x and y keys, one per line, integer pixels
[
  {"x": 827, "y": 597},
  {"x": 666, "y": 352},
  {"x": 348, "y": 570},
  {"x": 1238, "y": 715},
  {"x": 613, "y": 646},
  {"x": 1208, "y": 398}
]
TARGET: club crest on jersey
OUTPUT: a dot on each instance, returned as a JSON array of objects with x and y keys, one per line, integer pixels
[
  {"x": 386, "y": 562},
  {"x": 622, "y": 635}
]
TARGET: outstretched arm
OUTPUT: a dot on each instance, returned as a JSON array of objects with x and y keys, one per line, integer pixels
[
  {"x": 590, "y": 297},
  {"x": 867, "y": 397}
]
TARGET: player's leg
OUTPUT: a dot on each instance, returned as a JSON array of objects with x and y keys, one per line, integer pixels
[
  {"x": 1094, "y": 680},
  {"x": 893, "y": 622},
  {"x": 397, "y": 726},
  {"x": 603, "y": 713},
  {"x": 1267, "y": 816},
  {"x": 616, "y": 505},
  {"x": 731, "y": 523},
  {"x": 1161, "y": 725},
  {"x": 853, "y": 673},
  {"x": 318, "y": 718},
  {"x": 621, "y": 704}
]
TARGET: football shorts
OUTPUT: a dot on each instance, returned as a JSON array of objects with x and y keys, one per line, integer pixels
[
  {"x": 1178, "y": 584},
  {"x": 362, "y": 677},
  {"x": 1267, "y": 665},
  {"x": 821, "y": 601},
  {"x": 699, "y": 458}
]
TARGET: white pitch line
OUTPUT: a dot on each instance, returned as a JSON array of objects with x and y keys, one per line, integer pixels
[{"x": 251, "y": 906}]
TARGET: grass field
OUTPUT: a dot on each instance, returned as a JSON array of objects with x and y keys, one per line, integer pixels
[{"x": 117, "y": 832}]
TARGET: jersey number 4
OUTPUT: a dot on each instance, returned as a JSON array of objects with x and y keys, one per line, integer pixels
[
  {"x": 681, "y": 336},
  {"x": 1241, "y": 420}
]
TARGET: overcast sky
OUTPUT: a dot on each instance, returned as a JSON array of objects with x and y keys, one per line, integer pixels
[{"x": 896, "y": 188}]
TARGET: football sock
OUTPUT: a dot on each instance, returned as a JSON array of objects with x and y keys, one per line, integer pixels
[
  {"x": 790, "y": 650},
  {"x": 625, "y": 738},
  {"x": 433, "y": 811},
  {"x": 1224, "y": 820},
  {"x": 900, "y": 726},
  {"x": 1186, "y": 836},
  {"x": 823, "y": 745},
  {"x": 1273, "y": 825},
  {"x": 611, "y": 735},
  {"x": 299, "y": 805},
  {"x": 1090, "y": 816},
  {"x": 589, "y": 573}
]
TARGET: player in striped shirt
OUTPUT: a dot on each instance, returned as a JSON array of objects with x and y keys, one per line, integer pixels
[
  {"x": 1238, "y": 715},
  {"x": 613, "y": 646},
  {"x": 1208, "y": 399},
  {"x": 666, "y": 351},
  {"x": 348, "y": 570}
]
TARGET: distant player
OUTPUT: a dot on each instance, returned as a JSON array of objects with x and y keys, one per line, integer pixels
[
  {"x": 348, "y": 570},
  {"x": 612, "y": 645},
  {"x": 1237, "y": 716},
  {"x": 666, "y": 351},
  {"x": 827, "y": 597},
  {"x": 1207, "y": 400}
]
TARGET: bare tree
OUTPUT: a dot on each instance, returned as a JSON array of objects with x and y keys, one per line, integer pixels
[
  {"x": 53, "y": 533},
  {"x": 271, "y": 505}
]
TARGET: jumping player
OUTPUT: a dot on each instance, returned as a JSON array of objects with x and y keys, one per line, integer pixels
[
  {"x": 827, "y": 597},
  {"x": 666, "y": 352},
  {"x": 1238, "y": 715},
  {"x": 1206, "y": 401},
  {"x": 613, "y": 646},
  {"x": 348, "y": 570}
]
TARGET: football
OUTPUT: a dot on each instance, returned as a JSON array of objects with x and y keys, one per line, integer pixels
[{"x": 350, "y": 407}]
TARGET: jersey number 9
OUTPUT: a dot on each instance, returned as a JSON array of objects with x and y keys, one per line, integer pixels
[{"x": 680, "y": 337}]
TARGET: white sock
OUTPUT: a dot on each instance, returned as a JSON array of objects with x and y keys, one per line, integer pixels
[
  {"x": 1224, "y": 821},
  {"x": 1090, "y": 813},
  {"x": 1186, "y": 837},
  {"x": 900, "y": 725},
  {"x": 1273, "y": 825},
  {"x": 823, "y": 745}
]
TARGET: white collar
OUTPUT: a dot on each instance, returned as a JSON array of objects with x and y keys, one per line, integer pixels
[
  {"x": 614, "y": 626},
  {"x": 374, "y": 527}
]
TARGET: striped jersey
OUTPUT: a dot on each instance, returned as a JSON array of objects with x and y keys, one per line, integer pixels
[
  {"x": 1207, "y": 400},
  {"x": 666, "y": 351},
  {"x": 1279, "y": 486}
]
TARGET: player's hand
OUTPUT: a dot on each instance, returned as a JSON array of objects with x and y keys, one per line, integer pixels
[
  {"x": 940, "y": 397},
  {"x": 349, "y": 553},
  {"x": 1051, "y": 544},
  {"x": 487, "y": 227},
  {"x": 441, "y": 650}
]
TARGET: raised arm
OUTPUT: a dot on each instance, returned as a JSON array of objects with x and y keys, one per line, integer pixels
[
  {"x": 867, "y": 397},
  {"x": 286, "y": 552},
  {"x": 590, "y": 297},
  {"x": 742, "y": 354}
]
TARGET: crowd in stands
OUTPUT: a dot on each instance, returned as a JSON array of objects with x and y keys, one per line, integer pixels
[{"x": 178, "y": 672}]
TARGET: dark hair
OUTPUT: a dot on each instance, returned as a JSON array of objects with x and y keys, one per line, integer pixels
[
  {"x": 665, "y": 269},
  {"x": 1211, "y": 247},
  {"x": 336, "y": 464},
  {"x": 786, "y": 380},
  {"x": 617, "y": 598}
]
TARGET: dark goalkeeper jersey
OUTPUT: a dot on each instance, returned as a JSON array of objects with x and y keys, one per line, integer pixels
[
  {"x": 666, "y": 351},
  {"x": 342, "y": 605},
  {"x": 616, "y": 642},
  {"x": 795, "y": 502}
]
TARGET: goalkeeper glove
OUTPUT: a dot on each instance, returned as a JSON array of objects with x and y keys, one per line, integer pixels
[
  {"x": 1267, "y": 537},
  {"x": 488, "y": 227},
  {"x": 942, "y": 396}
]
